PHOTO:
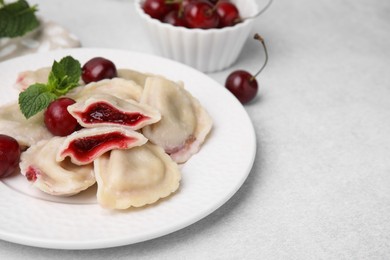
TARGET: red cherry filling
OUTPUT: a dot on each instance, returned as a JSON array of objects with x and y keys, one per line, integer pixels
[
  {"x": 32, "y": 174},
  {"x": 85, "y": 149},
  {"x": 102, "y": 112}
]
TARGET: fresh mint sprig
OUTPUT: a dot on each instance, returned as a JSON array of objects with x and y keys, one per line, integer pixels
[
  {"x": 63, "y": 77},
  {"x": 17, "y": 18}
]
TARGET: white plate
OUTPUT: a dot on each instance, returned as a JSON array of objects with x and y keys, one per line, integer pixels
[{"x": 210, "y": 177}]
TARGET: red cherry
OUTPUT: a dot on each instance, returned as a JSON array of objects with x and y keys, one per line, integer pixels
[
  {"x": 182, "y": 4},
  {"x": 175, "y": 18},
  {"x": 201, "y": 15},
  {"x": 97, "y": 69},
  {"x": 157, "y": 8},
  {"x": 9, "y": 155},
  {"x": 214, "y": 2},
  {"x": 57, "y": 118},
  {"x": 242, "y": 84},
  {"x": 228, "y": 14}
]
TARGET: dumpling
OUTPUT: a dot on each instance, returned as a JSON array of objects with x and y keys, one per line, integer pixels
[
  {"x": 108, "y": 110},
  {"x": 27, "y": 78},
  {"x": 86, "y": 145},
  {"x": 184, "y": 123},
  {"x": 121, "y": 88},
  {"x": 26, "y": 131},
  {"x": 136, "y": 76},
  {"x": 135, "y": 177},
  {"x": 40, "y": 166}
]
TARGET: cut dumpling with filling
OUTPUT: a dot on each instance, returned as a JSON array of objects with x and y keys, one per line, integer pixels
[
  {"x": 29, "y": 77},
  {"x": 135, "y": 177},
  {"x": 121, "y": 88},
  {"x": 86, "y": 145},
  {"x": 136, "y": 76},
  {"x": 184, "y": 123},
  {"x": 40, "y": 166},
  {"x": 108, "y": 110},
  {"x": 26, "y": 131}
]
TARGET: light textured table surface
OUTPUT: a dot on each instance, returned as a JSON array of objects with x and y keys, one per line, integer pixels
[{"x": 320, "y": 185}]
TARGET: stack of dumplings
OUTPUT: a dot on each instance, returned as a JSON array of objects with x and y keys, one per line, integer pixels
[{"x": 131, "y": 152}]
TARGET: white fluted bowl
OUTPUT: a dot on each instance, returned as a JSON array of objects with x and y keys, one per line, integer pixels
[{"x": 206, "y": 50}]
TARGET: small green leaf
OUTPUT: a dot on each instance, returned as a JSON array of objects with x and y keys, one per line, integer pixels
[
  {"x": 34, "y": 99},
  {"x": 72, "y": 69},
  {"x": 64, "y": 75},
  {"x": 17, "y": 19}
]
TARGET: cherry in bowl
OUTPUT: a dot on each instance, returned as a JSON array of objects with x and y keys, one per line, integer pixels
[
  {"x": 228, "y": 14},
  {"x": 201, "y": 15},
  {"x": 157, "y": 9},
  {"x": 198, "y": 47}
]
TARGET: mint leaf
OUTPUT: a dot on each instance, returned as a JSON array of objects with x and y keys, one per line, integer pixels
[
  {"x": 64, "y": 75},
  {"x": 34, "y": 99},
  {"x": 17, "y": 19},
  {"x": 70, "y": 66}
]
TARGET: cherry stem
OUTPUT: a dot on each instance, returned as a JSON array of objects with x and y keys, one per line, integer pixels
[
  {"x": 260, "y": 12},
  {"x": 181, "y": 7},
  {"x": 259, "y": 38},
  {"x": 214, "y": 9},
  {"x": 173, "y": 1}
]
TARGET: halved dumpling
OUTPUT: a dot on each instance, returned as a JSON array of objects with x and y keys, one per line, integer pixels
[
  {"x": 26, "y": 131},
  {"x": 135, "y": 177},
  {"x": 108, "y": 110},
  {"x": 122, "y": 88},
  {"x": 184, "y": 123},
  {"x": 64, "y": 178},
  {"x": 86, "y": 145}
]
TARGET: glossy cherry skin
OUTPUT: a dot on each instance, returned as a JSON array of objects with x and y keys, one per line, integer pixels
[
  {"x": 183, "y": 3},
  {"x": 157, "y": 8},
  {"x": 175, "y": 19},
  {"x": 228, "y": 14},
  {"x": 201, "y": 15},
  {"x": 98, "y": 68},
  {"x": 57, "y": 118},
  {"x": 214, "y": 2},
  {"x": 9, "y": 155},
  {"x": 243, "y": 85}
]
